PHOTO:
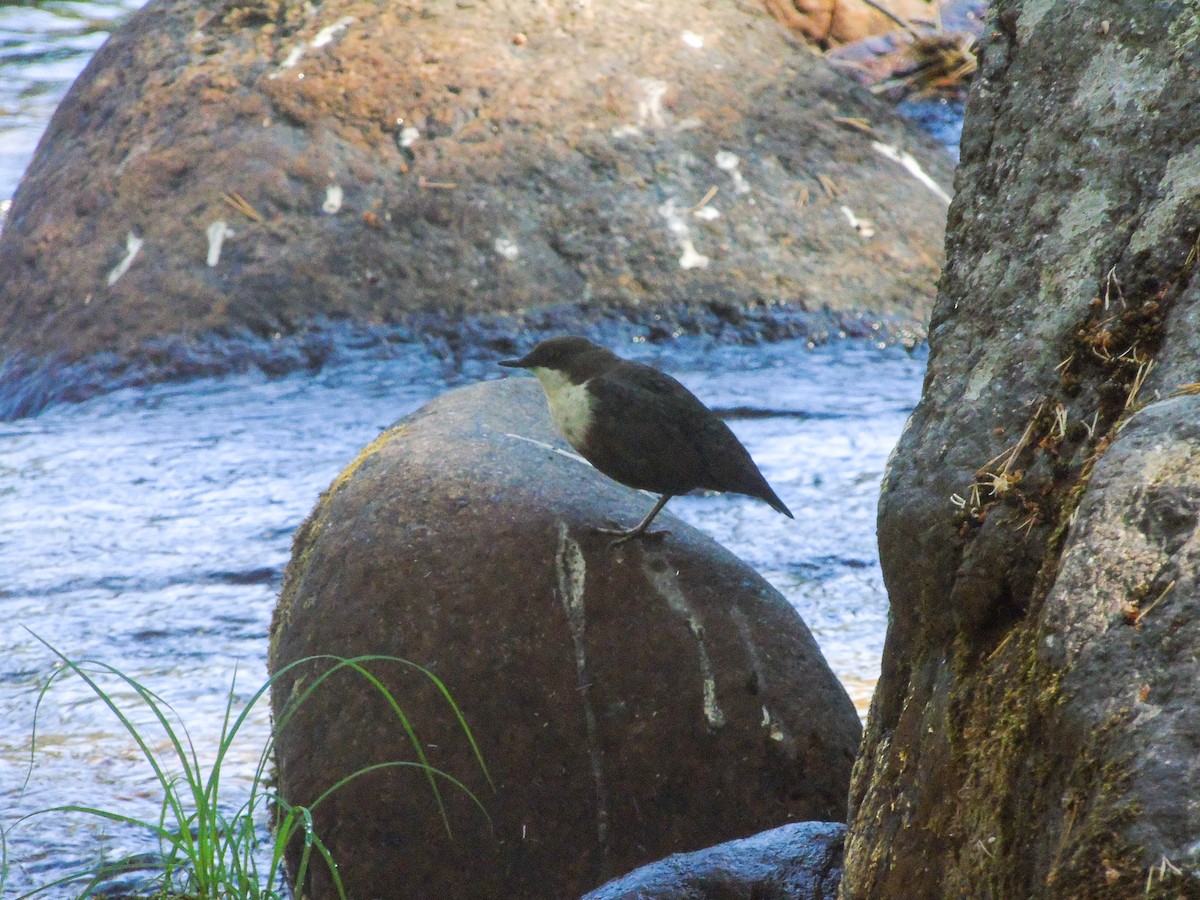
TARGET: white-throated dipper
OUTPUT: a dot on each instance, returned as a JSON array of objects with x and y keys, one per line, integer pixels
[{"x": 640, "y": 427}]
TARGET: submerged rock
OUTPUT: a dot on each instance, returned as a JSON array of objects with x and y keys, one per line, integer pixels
[
  {"x": 629, "y": 703},
  {"x": 795, "y": 862},
  {"x": 1034, "y": 731},
  {"x": 250, "y": 169}
]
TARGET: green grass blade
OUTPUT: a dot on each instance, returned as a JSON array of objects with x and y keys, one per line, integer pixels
[
  {"x": 204, "y": 850},
  {"x": 357, "y": 664}
]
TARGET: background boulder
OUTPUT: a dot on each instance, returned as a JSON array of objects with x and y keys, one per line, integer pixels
[
  {"x": 630, "y": 703},
  {"x": 1035, "y": 728},
  {"x": 802, "y": 861},
  {"x": 247, "y": 170}
]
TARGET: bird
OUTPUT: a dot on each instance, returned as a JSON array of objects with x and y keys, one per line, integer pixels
[{"x": 640, "y": 427}]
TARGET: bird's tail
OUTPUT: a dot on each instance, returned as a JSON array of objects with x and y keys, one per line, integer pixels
[{"x": 772, "y": 498}]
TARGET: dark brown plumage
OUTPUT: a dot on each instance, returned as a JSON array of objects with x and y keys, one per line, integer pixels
[{"x": 640, "y": 427}]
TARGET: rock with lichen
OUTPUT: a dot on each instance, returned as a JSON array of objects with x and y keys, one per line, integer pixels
[{"x": 1034, "y": 731}]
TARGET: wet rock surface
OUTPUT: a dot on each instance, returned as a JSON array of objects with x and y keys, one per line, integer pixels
[
  {"x": 1034, "y": 730},
  {"x": 630, "y": 703},
  {"x": 796, "y": 862},
  {"x": 221, "y": 181}
]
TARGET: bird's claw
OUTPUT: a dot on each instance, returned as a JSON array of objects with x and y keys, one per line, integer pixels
[{"x": 624, "y": 535}]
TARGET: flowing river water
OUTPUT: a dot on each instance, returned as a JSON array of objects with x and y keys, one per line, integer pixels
[{"x": 149, "y": 529}]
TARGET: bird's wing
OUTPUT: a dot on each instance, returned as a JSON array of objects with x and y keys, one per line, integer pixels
[
  {"x": 657, "y": 435},
  {"x": 649, "y": 379},
  {"x": 652, "y": 432},
  {"x": 633, "y": 437}
]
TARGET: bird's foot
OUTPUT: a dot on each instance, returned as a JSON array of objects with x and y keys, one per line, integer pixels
[{"x": 628, "y": 534}]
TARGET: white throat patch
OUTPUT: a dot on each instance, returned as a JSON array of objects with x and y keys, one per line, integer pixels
[{"x": 570, "y": 405}]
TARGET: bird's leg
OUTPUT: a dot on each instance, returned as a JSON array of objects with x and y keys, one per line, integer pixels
[{"x": 638, "y": 530}]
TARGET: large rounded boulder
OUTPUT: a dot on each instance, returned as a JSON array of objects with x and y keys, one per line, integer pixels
[
  {"x": 245, "y": 170},
  {"x": 628, "y": 702}
]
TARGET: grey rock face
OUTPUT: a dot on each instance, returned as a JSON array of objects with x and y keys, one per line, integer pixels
[
  {"x": 253, "y": 168},
  {"x": 1034, "y": 733},
  {"x": 796, "y": 862},
  {"x": 629, "y": 703}
]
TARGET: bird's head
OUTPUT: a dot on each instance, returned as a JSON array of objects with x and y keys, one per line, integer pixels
[{"x": 574, "y": 358}]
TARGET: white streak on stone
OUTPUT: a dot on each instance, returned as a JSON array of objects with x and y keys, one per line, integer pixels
[
  {"x": 692, "y": 39},
  {"x": 690, "y": 258},
  {"x": 559, "y": 450},
  {"x": 217, "y": 232},
  {"x": 323, "y": 37},
  {"x": 296, "y": 54},
  {"x": 668, "y": 588},
  {"x": 729, "y": 162},
  {"x": 569, "y": 455},
  {"x": 650, "y": 109},
  {"x": 774, "y": 730},
  {"x": 327, "y": 34},
  {"x": 333, "y": 199},
  {"x": 707, "y": 214},
  {"x": 507, "y": 248},
  {"x": 409, "y": 136},
  {"x": 863, "y": 226},
  {"x": 571, "y": 570},
  {"x": 906, "y": 159},
  {"x": 743, "y": 629},
  {"x": 133, "y": 244}
]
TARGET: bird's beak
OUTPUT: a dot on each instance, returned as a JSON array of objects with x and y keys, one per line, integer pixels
[{"x": 513, "y": 363}]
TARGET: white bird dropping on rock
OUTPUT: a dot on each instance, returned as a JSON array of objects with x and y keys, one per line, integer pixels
[
  {"x": 729, "y": 162},
  {"x": 507, "y": 248},
  {"x": 690, "y": 257},
  {"x": 865, "y": 227},
  {"x": 329, "y": 32},
  {"x": 217, "y": 232},
  {"x": 333, "y": 199},
  {"x": 133, "y": 244}
]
